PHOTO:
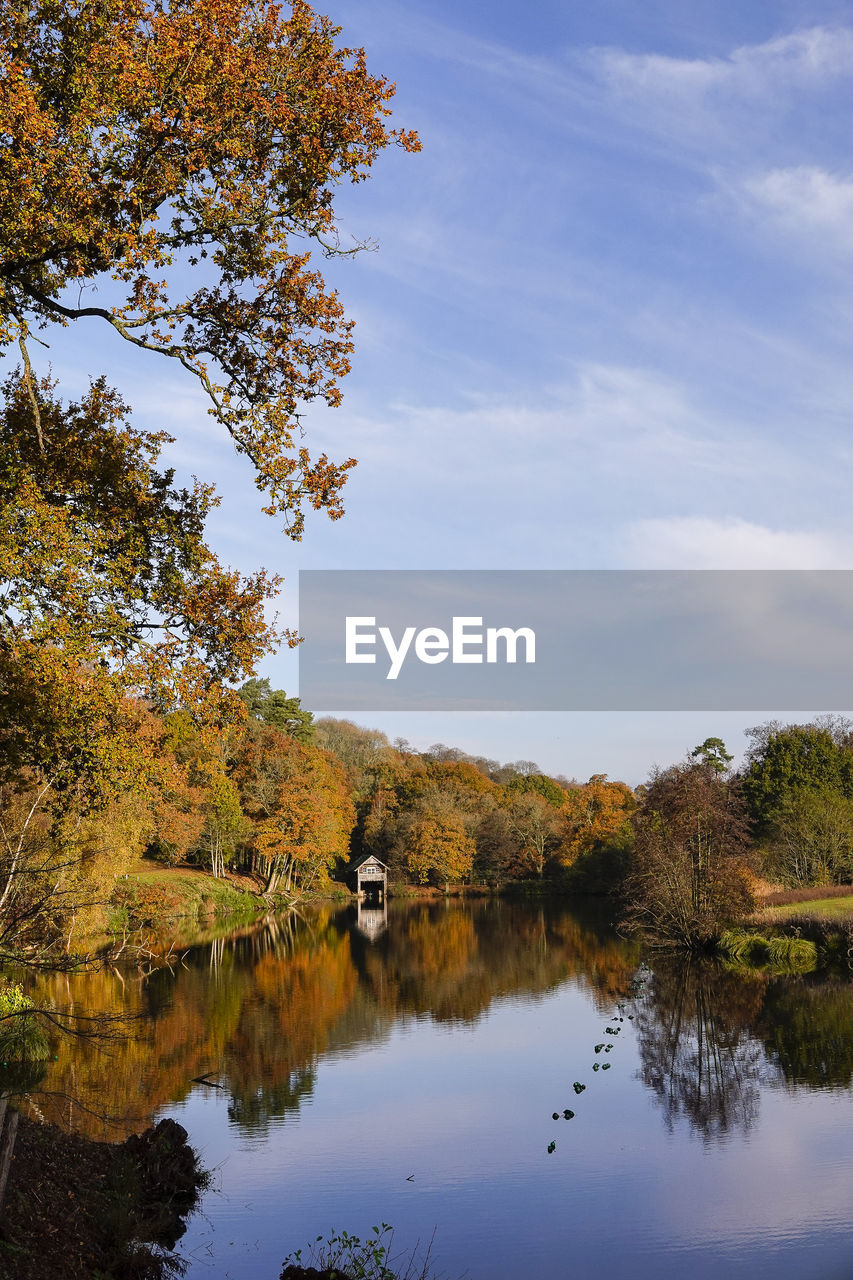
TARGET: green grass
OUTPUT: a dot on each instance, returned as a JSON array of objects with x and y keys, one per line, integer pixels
[
  {"x": 831, "y": 908},
  {"x": 154, "y": 896}
]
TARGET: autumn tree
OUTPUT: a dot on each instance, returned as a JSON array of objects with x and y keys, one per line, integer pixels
[
  {"x": 691, "y": 857},
  {"x": 223, "y": 815},
  {"x": 517, "y": 826},
  {"x": 438, "y": 848},
  {"x": 424, "y": 812},
  {"x": 111, "y": 602},
  {"x": 103, "y": 558},
  {"x": 424, "y": 837},
  {"x": 297, "y": 801},
  {"x": 167, "y": 168},
  {"x": 594, "y": 814},
  {"x": 357, "y": 748},
  {"x": 178, "y": 816}
]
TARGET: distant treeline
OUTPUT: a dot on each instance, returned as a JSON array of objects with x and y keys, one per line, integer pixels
[{"x": 290, "y": 800}]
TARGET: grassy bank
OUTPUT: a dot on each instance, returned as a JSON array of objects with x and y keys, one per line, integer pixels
[
  {"x": 157, "y": 896},
  {"x": 820, "y": 916},
  {"x": 798, "y": 935},
  {"x": 786, "y": 897},
  {"x": 835, "y": 908}
]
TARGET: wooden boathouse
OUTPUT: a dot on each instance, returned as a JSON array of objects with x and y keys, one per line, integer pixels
[{"x": 368, "y": 877}]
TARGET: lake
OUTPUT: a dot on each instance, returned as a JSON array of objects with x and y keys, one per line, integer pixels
[{"x": 404, "y": 1069}]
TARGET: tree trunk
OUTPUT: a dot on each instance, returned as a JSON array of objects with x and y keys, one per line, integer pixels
[{"x": 8, "y": 1133}]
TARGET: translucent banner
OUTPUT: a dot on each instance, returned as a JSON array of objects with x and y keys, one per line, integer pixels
[{"x": 575, "y": 640}]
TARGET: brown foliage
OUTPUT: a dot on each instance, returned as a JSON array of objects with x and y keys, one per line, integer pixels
[
  {"x": 143, "y": 138},
  {"x": 692, "y": 856},
  {"x": 298, "y": 803},
  {"x": 595, "y": 813}
]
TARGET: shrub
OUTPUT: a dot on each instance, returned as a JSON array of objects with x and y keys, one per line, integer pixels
[{"x": 24, "y": 1045}]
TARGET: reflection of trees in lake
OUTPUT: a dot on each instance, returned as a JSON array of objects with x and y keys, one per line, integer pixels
[
  {"x": 698, "y": 1054},
  {"x": 253, "y": 1112},
  {"x": 257, "y": 1011},
  {"x": 293, "y": 1000},
  {"x": 451, "y": 962},
  {"x": 807, "y": 1029}
]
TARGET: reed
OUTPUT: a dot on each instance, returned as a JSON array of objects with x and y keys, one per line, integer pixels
[{"x": 778, "y": 951}]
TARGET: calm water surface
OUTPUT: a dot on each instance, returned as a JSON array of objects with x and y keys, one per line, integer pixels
[{"x": 405, "y": 1070}]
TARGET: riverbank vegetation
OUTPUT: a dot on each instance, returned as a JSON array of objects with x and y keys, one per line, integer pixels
[{"x": 344, "y": 1256}]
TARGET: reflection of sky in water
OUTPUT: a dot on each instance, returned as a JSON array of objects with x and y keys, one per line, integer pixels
[{"x": 466, "y": 1109}]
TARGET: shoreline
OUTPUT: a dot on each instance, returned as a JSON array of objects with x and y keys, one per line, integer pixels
[{"x": 76, "y": 1207}]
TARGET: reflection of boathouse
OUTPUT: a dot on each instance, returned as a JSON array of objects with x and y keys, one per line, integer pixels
[
  {"x": 371, "y": 920},
  {"x": 368, "y": 877}
]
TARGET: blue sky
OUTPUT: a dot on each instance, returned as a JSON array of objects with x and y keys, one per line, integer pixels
[{"x": 608, "y": 323}]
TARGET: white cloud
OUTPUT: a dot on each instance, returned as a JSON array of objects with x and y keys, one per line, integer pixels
[
  {"x": 805, "y": 202},
  {"x": 695, "y": 542},
  {"x": 606, "y": 428},
  {"x": 805, "y": 58}
]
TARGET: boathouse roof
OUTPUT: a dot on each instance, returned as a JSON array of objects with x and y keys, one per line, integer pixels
[{"x": 366, "y": 857}]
